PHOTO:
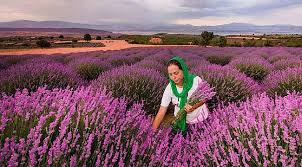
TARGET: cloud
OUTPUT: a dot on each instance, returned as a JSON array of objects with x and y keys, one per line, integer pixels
[{"x": 208, "y": 12}]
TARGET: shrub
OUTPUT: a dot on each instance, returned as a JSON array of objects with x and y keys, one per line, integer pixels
[
  {"x": 137, "y": 84},
  {"x": 98, "y": 37},
  {"x": 9, "y": 60},
  {"x": 229, "y": 84},
  {"x": 85, "y": 127},
  {"x": 161, "y": 57},
  {"x": 220, "y": 41},
  {"x": 194, "y": 63},
  {"x": 33, "y": 75},
  {"x": 89, "y": 68},
  {"x": 275, "y": 58},
  {"x": 249, "y": 43},
  {"x": 87, "y": 37},
  {"x": 43, "y": 43},
  {"x": 284, "y": 64},
  {"x": 219, "y": 59},
  {"x": 258, "y": 132},
  {"x": 78, "y": 122},
  {"x": 255, "y": 68},
  {"x": 151, "y": 64},
  {"x": 283, "y": 82},
  {"x": 119, "y": 60}
]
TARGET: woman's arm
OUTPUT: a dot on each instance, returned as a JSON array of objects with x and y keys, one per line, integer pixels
[{"x": 159, "y": 117}]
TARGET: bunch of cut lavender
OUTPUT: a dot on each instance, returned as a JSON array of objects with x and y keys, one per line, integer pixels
[{"x": 203, "y": 92}]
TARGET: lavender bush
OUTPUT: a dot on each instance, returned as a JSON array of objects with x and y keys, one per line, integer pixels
[
  {"x": 275, "y": 58},
  {"x": 229, "y": 84},
  {"x": 152, "y": 64},
  {"x": 259, "y": 132},
  {"x": 284, "y": 64},
  {"x": 219, "y": 59},
  {"x": 89, "y": 68},
  {"x": 32, "y": 76},
  {"x": 117, "y": 61},
  {"x": 137, "y": 84},
  {"x": 256, "y": 68},
  {"x": 284, "y": 82},
  {"x": 87, "y": 127},
  {"x": 9, "y": 60},
  {"x": 69, "y": 127}
]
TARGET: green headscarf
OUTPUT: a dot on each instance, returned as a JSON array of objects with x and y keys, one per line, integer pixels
[{"x": 187, "y": 85}]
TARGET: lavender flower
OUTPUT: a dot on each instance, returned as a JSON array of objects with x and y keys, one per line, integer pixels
[{"x": 203, "y": 93}]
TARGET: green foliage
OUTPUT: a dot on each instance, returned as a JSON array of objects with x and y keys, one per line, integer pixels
[
  {"x": 283, "y": 82},
  {"x": 276, "y": 58},
  {"x": 98, "y": 37},
  {"x": 219, "y": 41},
  {"x": 285, "y": 87},
  {"x": 219, "y": 59},
  {"x": 206, "y": 37},
  {"x": 256, "y": 71},
  {"x": 61, "y": 36},
  {"x": 87, "y": 37},
  {"x": 135, "y": 84},
  {"x": 228, "y": 89},
  {"x": 295, "y": 42},
  {"x": 167, "y": 39},
  {"x": 177, "y": 40},
  {"x": 235, "y": 44},
  {"x": 89, "y": 71},
  {"x": 43, "y": 43},
  {"x": 32, "y": 79},
  {"x": 268, "y": 43},
  {"x": 249, "y": 43}
]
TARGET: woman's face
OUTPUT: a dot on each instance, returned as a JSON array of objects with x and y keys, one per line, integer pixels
[{"x": 175, "y": 74}]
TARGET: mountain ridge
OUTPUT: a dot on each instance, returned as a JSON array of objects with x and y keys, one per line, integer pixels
[{"x": 235, "y": 28}]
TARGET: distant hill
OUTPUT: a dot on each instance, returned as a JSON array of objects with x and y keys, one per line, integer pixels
[
  {"x": 63, "y": 30},
  {"x": 53, "y": 31},
  {"x": 225, "y": 29}
]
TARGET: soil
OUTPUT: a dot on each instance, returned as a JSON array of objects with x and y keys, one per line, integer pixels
[{"x": 109, "y": 45}]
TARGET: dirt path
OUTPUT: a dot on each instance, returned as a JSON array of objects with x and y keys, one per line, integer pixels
[{"x": 109, "y": 45}]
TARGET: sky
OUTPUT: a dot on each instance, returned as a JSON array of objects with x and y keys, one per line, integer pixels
[{"x": 194, "y": 12}]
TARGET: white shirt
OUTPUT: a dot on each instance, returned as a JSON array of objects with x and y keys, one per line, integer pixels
[{"x": 198, "y": 115}]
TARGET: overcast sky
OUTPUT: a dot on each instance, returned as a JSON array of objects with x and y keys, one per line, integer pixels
[{"x": 195, "y": 12}]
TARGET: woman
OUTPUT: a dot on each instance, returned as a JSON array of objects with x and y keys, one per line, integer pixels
[{"x": 181, "y": 87}]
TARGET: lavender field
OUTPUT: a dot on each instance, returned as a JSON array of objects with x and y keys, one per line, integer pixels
[{"x": 96, "y": 108}]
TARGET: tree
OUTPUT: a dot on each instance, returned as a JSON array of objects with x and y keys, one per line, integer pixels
[
  {"x": 206, "y": 37},
  {"x": 87, "y": 37},
  {"x": 61, "y": 36},
  {"x": 98, "y": 37},
  {"x": 43, "y": 43},
  {"x": 203, "y": 42}
]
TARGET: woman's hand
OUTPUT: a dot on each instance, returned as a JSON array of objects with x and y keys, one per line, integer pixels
[{"x": 189, "y": 108}]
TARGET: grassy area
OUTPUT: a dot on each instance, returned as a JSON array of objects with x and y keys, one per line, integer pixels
[
  {"x": 287, "y": 40},
  {"x": 166, "y": 39},
  {"x": 29, "y": 42}
]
